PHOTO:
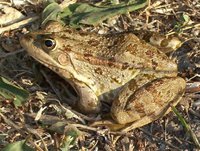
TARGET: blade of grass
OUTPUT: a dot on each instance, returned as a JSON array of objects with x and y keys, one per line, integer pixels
[
  {"x": 187, "y": 127},
  {"x": 10, "y": 91}
]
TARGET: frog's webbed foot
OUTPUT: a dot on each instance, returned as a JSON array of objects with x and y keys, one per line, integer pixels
[
  {"x": 165, "y": 44},
  {"x": 147, "y": 103}
]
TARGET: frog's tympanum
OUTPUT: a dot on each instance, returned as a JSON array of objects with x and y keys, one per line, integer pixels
[{"x": 139, "y": 80}]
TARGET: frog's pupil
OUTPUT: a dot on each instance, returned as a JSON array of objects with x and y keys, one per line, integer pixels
[{"x": 49, "y": 43}]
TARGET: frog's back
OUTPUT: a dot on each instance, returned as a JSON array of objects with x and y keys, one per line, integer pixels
[
  {"x": 112, "y": 61},
  {"x": 138, "y": 54},
  {"x": 124, "y": 50}
]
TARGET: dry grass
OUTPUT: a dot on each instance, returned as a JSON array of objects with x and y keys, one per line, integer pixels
[{"x": 166, "y": 133}]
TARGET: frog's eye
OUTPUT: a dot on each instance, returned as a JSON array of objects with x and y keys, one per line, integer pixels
[{"x": 48, "y": 44}]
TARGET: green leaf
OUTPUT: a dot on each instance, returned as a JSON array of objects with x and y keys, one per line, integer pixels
[
  {"x": 82, "y": 13},
  {"x": 185, "y": 19},
  {"x": 3, "y": 137},
  {"x": 10, "y": 91},
  {"x": 71, "y": 134},
  {"x": 93, "y": 15},
  {"x": 18, "y": 146},
  {"x": 70, "y": 131},
  {"x": 50, "y": 12}
]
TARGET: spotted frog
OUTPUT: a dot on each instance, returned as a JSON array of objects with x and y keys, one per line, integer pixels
[{"x": 139, "y": 80}]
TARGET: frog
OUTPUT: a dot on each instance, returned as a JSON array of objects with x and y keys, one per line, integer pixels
[{"x": 137, "y": 80}]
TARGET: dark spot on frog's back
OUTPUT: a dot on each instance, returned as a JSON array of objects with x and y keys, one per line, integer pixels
[
  {"x": 68, "y": 31},
  {"x": 111, "y": 64},
  {"x": 98, "y": 71},
  {"x": 149, "y": 53},
  {"x": 86, "y": 55},
  {"x": 154, "y": 64},
  {"x": 82, "y": 33},
  {"x": 139, "y": 107},
  {"x": 93, "y": 42},
  {"x": 67, "y": 48},
  {"x": 125, "y": 65},
  {"x": 112, "y": 59}
]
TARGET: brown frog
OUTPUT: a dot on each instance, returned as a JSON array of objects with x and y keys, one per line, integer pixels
[{"x": 138, "y": 79}]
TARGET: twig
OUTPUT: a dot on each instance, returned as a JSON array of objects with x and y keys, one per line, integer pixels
[
  {"x": 186, "y": 28},
  {"x": 85, "y": 127},
  {"x": 6, "y": 3},
  {"x": 32, "y": 131},
  {"x": 13, "y": 125},
  {"x": 19, "y": 24},
  {"x": 19, "y": 129},
  {"x": 157, "y": 138},
  {"x": 193, "y": 87},
  {"x": 11, "y": 53}
]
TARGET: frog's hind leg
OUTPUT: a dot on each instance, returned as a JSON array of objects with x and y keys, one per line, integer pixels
[{"x": 147, "y": 103}]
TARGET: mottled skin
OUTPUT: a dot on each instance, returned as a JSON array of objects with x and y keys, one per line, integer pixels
[{"x": 140, "y": 80}]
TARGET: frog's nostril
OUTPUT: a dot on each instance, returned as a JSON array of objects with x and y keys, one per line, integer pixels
[
  {"x": 26, "y": 41},
  {"x": 27, "y": 37}
]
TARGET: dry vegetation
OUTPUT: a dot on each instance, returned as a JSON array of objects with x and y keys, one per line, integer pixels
[{"x": 167, "y": 133}]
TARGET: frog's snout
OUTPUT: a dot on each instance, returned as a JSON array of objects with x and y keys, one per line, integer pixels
[
  {"x": 25, "y": 40},
  {"x": 27, "y": 37}
]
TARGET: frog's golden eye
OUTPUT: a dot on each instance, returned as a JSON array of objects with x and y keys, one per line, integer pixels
[{"x": 48, "y": 44}]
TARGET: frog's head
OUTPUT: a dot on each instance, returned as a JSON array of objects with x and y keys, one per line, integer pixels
[
  {"x": 61, "y": 52},
  {"x": 45, "y": 48}
]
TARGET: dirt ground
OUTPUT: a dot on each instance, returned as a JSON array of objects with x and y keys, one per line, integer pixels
[{"x": 47, "y": 123}]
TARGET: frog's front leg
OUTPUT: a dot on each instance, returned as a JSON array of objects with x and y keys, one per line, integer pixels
[
  {"x": 147, "y": 102},
  {"x": 88, "y": 101}
]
